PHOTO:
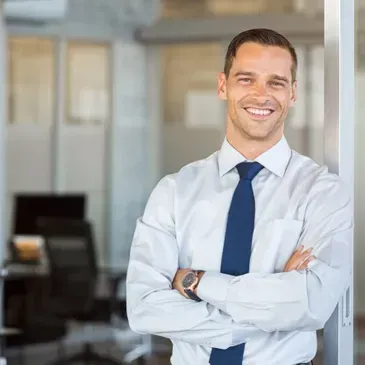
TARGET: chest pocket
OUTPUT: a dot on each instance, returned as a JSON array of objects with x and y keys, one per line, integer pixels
[{"x": 276, "y": 241}]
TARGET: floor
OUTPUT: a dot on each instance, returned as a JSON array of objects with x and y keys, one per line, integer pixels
[{"x": 46, "y": 354}]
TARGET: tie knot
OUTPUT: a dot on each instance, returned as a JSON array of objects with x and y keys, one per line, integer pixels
[{"x": 248, "y": 170}]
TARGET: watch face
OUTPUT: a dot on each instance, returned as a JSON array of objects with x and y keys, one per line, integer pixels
[{"x": 188, "y": 280}]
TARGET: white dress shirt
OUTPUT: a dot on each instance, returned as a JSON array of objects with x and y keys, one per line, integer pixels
[{"x": 275, "y": 313}]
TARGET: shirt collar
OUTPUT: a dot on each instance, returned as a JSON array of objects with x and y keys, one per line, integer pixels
[{"x": 275, "y": 159}]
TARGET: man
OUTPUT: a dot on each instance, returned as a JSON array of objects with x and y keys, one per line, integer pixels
[{"x": 239, "y": 258}]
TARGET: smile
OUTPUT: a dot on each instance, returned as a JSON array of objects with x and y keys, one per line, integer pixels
[{"x": 259, "y": 112}]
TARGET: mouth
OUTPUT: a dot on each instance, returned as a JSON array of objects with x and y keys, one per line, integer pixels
[{"x": 258, "y": 113}]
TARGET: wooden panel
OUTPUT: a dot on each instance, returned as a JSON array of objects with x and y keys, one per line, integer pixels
[
  {"x": 299, "y": 28},
  {"x": 201, "y": 8},
  {"x": 234, "y": 7}
]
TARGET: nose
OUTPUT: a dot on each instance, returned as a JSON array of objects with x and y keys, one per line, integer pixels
[{"x": 260, "y": 92}]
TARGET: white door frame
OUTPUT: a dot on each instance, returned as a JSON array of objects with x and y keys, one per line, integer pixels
[
  {"x": 339, "y": 126},
  {"x": 3, "y": 122}
]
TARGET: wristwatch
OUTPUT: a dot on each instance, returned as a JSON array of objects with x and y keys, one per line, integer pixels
[{"x": 189, "y": 283}]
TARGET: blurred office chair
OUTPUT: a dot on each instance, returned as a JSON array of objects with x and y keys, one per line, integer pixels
[
  {"x": 28, "y": 316},
  {"x": 70, "y": 250}
]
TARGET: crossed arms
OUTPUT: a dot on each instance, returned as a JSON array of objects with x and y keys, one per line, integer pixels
[{"x": 236, "y": 309}]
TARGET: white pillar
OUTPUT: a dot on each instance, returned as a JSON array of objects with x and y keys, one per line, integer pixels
[
  {"x": 57, "y": 171},
  {"x": 339, "y": 150},
  {"x": 128, "y": 147},
  {"x": 155, "y": 116},
  {"x": 3, "y": 123}
]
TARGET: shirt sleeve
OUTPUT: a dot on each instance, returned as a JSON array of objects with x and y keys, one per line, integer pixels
[
  {"x": 295, "y": 300},
  {"x": 153, "y": 307}
]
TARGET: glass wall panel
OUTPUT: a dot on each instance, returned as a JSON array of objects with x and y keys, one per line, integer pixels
[
  {"x": 193, "y": 115},
  {"x": 87, "y": 83},
  {"x": 31, "y": 80}
]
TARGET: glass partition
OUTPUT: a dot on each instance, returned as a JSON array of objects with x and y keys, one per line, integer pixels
[{"x": 31, "y": 80}]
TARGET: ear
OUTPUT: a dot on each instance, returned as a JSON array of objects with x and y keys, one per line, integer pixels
[
  {"x": 293, "y": 97},
  {"x": 222, "y": 86}
]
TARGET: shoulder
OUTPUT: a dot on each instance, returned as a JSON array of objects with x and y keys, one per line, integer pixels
[
  {"x": 182, "y": 183},
  {"x": 198, "y": 169},
  {"x": 190, "y": 173},
  {"x": 321, "y": 185},
  {"x": 314, "y": 172}
]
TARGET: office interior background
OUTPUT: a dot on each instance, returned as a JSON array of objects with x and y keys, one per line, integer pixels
[{"x": 99, "y": 106}]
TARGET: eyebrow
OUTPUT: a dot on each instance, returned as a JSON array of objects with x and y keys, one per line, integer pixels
[
  {"x": 244, "y": 73},
  {"x": 280, "y": 78},
  {"x": 252, "y": 74}
]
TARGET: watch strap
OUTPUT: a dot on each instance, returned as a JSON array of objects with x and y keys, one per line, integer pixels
[{"x": 192, "y": 295}]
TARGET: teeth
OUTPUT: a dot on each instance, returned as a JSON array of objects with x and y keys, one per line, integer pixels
[{"x": 259, "y": 111}]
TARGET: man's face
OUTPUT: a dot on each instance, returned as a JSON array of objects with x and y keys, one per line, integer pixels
[{"x": 259, "y": 91}]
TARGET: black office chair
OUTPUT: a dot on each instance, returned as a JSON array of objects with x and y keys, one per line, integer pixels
[
  {"x": 73, "y": 268},
  {"x": 26, "y": 310}
]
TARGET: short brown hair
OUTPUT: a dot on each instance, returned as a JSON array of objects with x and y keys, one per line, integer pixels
[{"x": 262, "y": 36}]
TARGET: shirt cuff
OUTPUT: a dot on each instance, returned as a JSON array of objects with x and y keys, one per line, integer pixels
[{"x": 213, "y": 288}]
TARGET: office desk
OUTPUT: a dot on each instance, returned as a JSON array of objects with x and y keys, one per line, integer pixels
[
  {"x": 30, "y": 284},
  {"x": 4, "y": 334},
  {"x": 16, "y": 271},
  {"x": 24, "y": 292}
]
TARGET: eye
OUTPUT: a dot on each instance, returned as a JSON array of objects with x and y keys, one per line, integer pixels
[
  {"x": 277, "y": 84},
  {"x": 246, "y": 80}
]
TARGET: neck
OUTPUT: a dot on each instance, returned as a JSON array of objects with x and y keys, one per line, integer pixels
[{"x": 250, "y": 148}]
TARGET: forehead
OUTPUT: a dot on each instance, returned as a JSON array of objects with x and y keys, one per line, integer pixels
[{"x": 263, "y": 59}]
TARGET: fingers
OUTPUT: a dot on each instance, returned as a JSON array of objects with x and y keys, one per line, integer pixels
[
  {"x": 305, "y": 263},
  {"x": 305, "y": 257},
  {"x": 299, "y": 259},
  {"x": 299, "y": 251},
  {"x": 301, "y": 255}
]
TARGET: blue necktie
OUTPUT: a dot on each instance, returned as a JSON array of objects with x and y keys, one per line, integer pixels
[{"x": 237, "y": 246}]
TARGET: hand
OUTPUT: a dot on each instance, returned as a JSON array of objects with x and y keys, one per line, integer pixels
[
  {"x": 299, "y": 260},
  {"x": 176, "y": 284}
]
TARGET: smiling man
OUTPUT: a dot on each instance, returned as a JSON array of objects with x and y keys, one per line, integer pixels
[
  {"x": 240, "y": 257},
  {"x": 259, "y": 83}
]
